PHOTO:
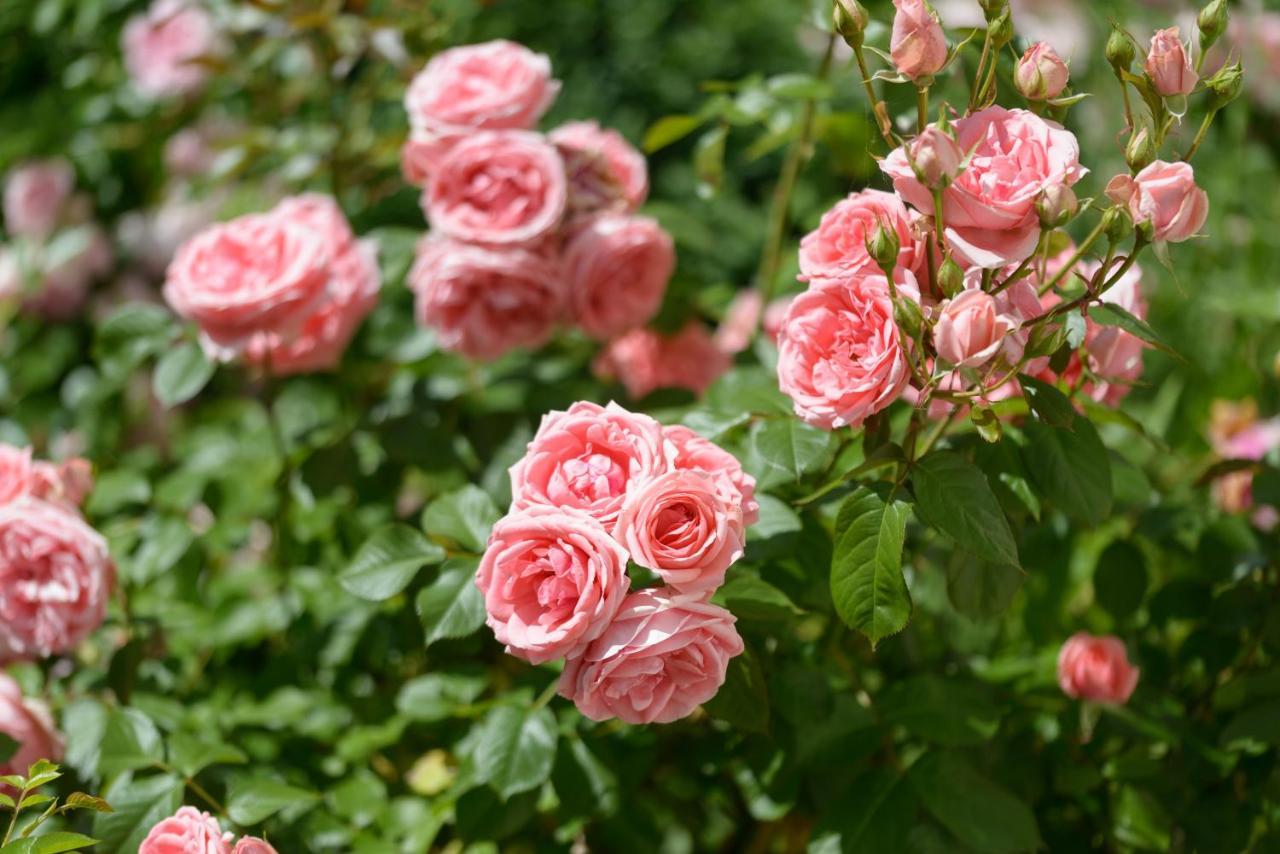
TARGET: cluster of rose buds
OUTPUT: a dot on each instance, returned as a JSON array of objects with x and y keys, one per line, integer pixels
[
  {"x": 599, "y": 486},
  {"x": 190, "y": 830},
  {"x": 163, "y": 48}
]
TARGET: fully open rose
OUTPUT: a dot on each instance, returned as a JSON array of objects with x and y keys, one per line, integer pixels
[
  {"x": 1165, "y": 196},
  {"x": 838, "y": 247},
  {"x": 694, "y": 453},
  {"x": 617, "y": 267},
  {"x": 188, "y": 831},
  {"x": 605, "y": 171},
  {"x": 29, "y": 724},
  {"x": 494, "y": 85},
  {"x": 1096, "y": 668}
]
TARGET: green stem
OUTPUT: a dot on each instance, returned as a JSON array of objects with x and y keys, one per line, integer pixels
[
  {"x": 1024, "y": 268},
  {"x": 1075, "y": 259},
  {"x": 546, "y": 695},
  {"x": 1128, "y": 106},
  {"x": 979, "y": 76},
  {"x": 1204, "y": 129},
  {"x": 881, "y": 119},
  {"x": 939, "y": 226},
  {"x": 13, "y": 820},
  {"x": 922, "y": 108}
]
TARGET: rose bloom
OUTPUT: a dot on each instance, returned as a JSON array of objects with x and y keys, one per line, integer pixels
[
  {"x": 645, "y": 360},
  {"x": 422, "y": 152},
  {"x": 588, "y": 458},
  {"x": 605, "y": 171},
  {"x": 918, "y": 46},
  {"x": 552, "y": 580},
  {"x": 188, "y": 831},
  {"x": 1166, "y": 195},
  {"x": 1041, "y": 74},
  {"x": 694, "y": 453},
  {"x": 35, "y": 195},
  {"x": 483, "y": 302},
  {"x": 969, "y": 329},
  {"x": 162, "y": 48},
  {"x": 1115, "y": 356},
  {"x": 617, "y": 268},
  {"x": 253, "y": 845},
  {"x": 838, "y": 246},
  {"x": 840, "y": 358},
  {"x": 1096, "y": 668},
  {"x": 498, "y": 187},
  {"x": 990, "y": 209},
  {"x": 28, "y": 723},
  {"x": 683, "y": 526},
  {"x": 63, "y": 483},
  {"x": 496, "y": 85},
  {"x": 661, "y": 657},
  {"x": 1168, "y": 64},
  {"x": 55, "y": 579}
]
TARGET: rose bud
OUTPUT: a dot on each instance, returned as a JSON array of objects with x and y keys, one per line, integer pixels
[
  {"x": 1163, "y": 197},
  {"x": 1168, "y": 64},
  {"x": 1120, "y": 50},
  {"x": 1041, "y": 74},
  {"x": 950, "y": 277},
  {"x": 883, "y": 246},
  {"x": 1212, "y": 23},
  {"x": 969, "y": 330},
  {"x": 1001, "y": 29},
  {"x": 1225, "y": 85},
  {"x": 1057, "y": 206},
  {"x": 1096, "y": 668},
  {"x": 935, "y": 157},
  {"x": 1140, "y": 151},
  {"x": 992, "y": 9},
  {"x": 918, "y": 46},
  {"x": 850, "y": 19}
]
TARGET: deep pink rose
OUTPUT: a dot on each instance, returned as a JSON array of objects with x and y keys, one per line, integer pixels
[
  {"x": 683, "y": 526},
  {"x": 1168, "y": 64},
  {"x": 838, "y": 246},
  {"x": 1166, "y": 195},
  {"x": 1096, "y": 668},
  {"x": 1041, "y": 74},
  {"x": 253, "y": 845},
  {"x": 662, "y": 657},
  {"x": 34, "y": 197},
  {"x": 163, "y": 48},
  {"x": 694, "y": 453},
  {"x": 918, "y": 46},
  {"x": 645, "y": 360},
  {"x": 970, "y": 329},
  {"x": 497, "y": 85},
  {"x": 28, "y": 723},
  {"x": 55, "y": 579},
  {"x": 617, "y": 268},
  {"x": 552, "y": 580},
  {"x": 840, "y": 357},
  {"x": 483, "y": 302},
  {"x": 990, "y": 208},
  {"x": 605, "y": 171},
  {"x": 188, "y": 831},
  {"x": 589, "y": 458}
]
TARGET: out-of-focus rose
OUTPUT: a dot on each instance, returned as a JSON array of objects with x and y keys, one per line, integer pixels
[
  {"x": 741, "y": 318},
  {"x": 589, "y": 458},
  {"x": 253, "y": 845},
  {"x": 163, "y": 48},
  {"x": 645, "y": 360},
  {"x": 34, "y": 197},
  {"x": 990, "y": 209},
  {"x": 1096, "y": 668},
  {"x": 188, "y": 831},
  {"x": 775, "y": 314},
  {"x": 661, "y": 658},
  {"x": 1236, "y": 433},
  {"x": 1165, "y": 195},
  {"x": 68, "y": 482},
  {"x": 552, "y": 580},
  {"x": 969, "y": 329},
  {"x": 16, "y": 476},
  {"x": 69, "y": 264},
  {"x": 496, "y": 85},
  {"x": 423, "y": 151},
  {"x": 617, "y": 268},
  {"x": 1066, "y": 26},
  {"x": 152, "y": 238},
  {"x": 188, "y": 153},
  {"x": 1168, "y": 64},
  {"x": 28, "y": 723},
  {"x": 55, "y": 579},
  {"x": 694, "y": 453},
  {"x": 1041, "y": 74},
  {"x": 838, "y": 246},
  {"x": 605, "y": 171},
  {"x": 918, "y": 46},
  {"x": 483, "y": 302}
]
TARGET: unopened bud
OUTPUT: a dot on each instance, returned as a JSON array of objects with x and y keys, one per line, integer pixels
[
  {"x": 1040, "y": 74},
  {"x": 1140, "y": 151},
  {"x": 850, "y": 19},
  {"x": 1212, "y": 22},
  {"x": 950, "y": 277},
  {"x": 1225, "y": 85},
  {"x": 907, "y": 315},
  {"x": 1057, "y": 206},
  {"x": 1117, "y": 224},
  {"x": 1001, "y": 29},
  {"x": 883, "y": 245},
  {"x": 935, "y": 158},
  {"x": 1120, "y": 50},
  {"x": 991, "y": 9}
]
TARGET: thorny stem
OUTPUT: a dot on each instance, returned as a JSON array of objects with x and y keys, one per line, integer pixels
[{"x": 881, "y": 119}]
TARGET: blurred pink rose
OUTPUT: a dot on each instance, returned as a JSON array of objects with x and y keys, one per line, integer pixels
[
  {"x": 662, "y": 657},
  {"x": 152, "y": 238},
  {"x": 16, "y": 476},
  {"x": 969, "y": 329},
  {"x": 1041, "y": 74},
  {"x": 1168, "y": 64},
  {"x": 188, "y": 831},
  {"x": 422, "y": 152},
  {"x": 1065, "y": 25},
  {"x": 68, "y": 482},
  {"x": 188, "y": 153},
  {"x": 740, "y": 321},
  {"x": 1166, "y": 195},
  {"x": 163, "y": 48},
  {"x": 1115, "y": 356},
  {"x": 35, "y": 195},
  {"x": 617, "y": 268},
  {"x": 483, "y": 302},
  {"x": 990, "y": 209},
  {"x": 838, "y": 246},
  {"x": 1096, "y": 668},
  {"x": 605, "y": 171},
  {"x": 589, "y": 458},
  {"x": 70, "y": 262},
  {"x": 645, "y": 360},
  {"x": 28, "y": 723},
  {"x": 496, "y": 85},
  {"x": 253, "y": 845},
  {"x": 694, "y": 453},
  {"x": 918, "y": 46},
  {"x": 552, "y": 580}
]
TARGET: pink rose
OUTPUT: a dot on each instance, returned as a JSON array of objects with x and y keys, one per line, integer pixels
[
  {"x": 497, "y": 187},
  {"x": 661, "y": 657},
  {"x": 163, "y": 48},
  {"x": 552, "y": 580},
  {"x": 990, "y": 208},
  {"x": 694, "y": 453},
  {"x": 935, "y": 158},
  {"x": 1165, "y": 195},
  {"x": 68, "y": 482},
  {"x": 422, "y": 152},
  {"x": 55, "y": 579},
  {"x": 645, "y": 360},
  {"x": 253, "y": 845},
  {"x": 605, "y": 171},
  {"x": 617, "y": 268},
  {"x": 188, "y": 831},
  {"x": 497, "y": 85},
  {"x": 840, "y": 358},
  {"x": 34, "y": 197},
  {"x": 683, "y": 526},
  {"x": 775, "y": 314},
  {"x": 16, "y": 476},
  {"x": 918, "y": 46},
  {"x": 1041, "y": 74},
  {"x": 28, "y": 723},
  {"x": 1115, "y": 356},
  {"x": 1168, "y": 64},
  {"x": 256, "y": 274},
  {"x": 1096, "y": 668},
  {"x": 189, "y": 154},
  {"x": 483, "y": 302},
  {"x": 589, "y": 458},
  {"x": 838, "y": 246},
  {"x": 970, "y": 329}
]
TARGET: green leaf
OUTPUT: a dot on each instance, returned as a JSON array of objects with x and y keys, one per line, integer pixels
[
  {"x": 114, "y": 490},
  {"x": 585, "y": 785},
  {"x": 252, "y": 801},
  {"x": 784, "y": 450},
  {"x": 867, "y": 586},
  {"x": 59, "y": 841},
  {"x": 387, "y": 562},
  {"x": 8, "y": 747},
  {"x": 1070, "y": 468},
  {"x": 1052, "y": 406},
  {"x": 879, "y": 819},
  {"x": 708, "y": 160},
  {"x": 181, "y": 373},
  {"x": 669, "y": 129},
  {"x": 983, "y": 815},
  {"x": 1110, "y": 314},
  {"x": 139, "y": 806},
  {"x": 82, "y": 801},
  {"x": 191, "y": 754},
  {"x": 515, "y": 749},
  {"x": 1120, "y": 579},
  {"x": 1139, "y": 820},
  {"x": 799, "y": 86},
  {"x": 949, "y": 710},
  {"x": 452, "y": 606},
  {"x": 436, "y": 696},
  {"x": 752, "y": 598},
  {"x": 131, "y": 334},
  {"x": 129, "y": 741},
  {"x": 979, "y": 588},
  {"x": 464, "y": 516},
  {"x": 743, "y": 699},
  {"x": 953, "y": 496}
]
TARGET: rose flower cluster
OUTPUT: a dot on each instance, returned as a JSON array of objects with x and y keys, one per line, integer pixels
[
  {"x": 527, "y": 230},
  {"x": 598, "y": 487}
]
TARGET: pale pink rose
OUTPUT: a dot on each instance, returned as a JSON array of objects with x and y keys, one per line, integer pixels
[
  {"x": 1021, "y": 303},
  {"x": 589, "y": 458},
  {"x": 645, "y": 360},
  {"x": 918, "y": 46},
  {"x": 552, "y": 581},
  {"x": 1041, "y": 74},
  {"x": 838, "y": 246},
  {"x": 1096, "y": 668},
  {"x": 35, "y": 196},
  {"x": 990, "y": 209},
  {"x": 617, "y": 268},
  {"x": 935, "y": 157},
  {"x": 497, "y": 187},
  {"x": 253, "y": 845},
  {"x": 17, "y": 477},
  {"x": 28, "y": 723},
  {"x": 483, "y": 302},
  {"x": 605, "y": 171},
  {"x": 422, "y": 152},
  {"x": 740, "y": 321},
  {"x": 256, "y": 274},
  {"x": 1168, "y": 64},
  {"x": 1165, "y": 195},
  {"x": 969, "y": 329},
  {"x": 775, "y": 314},
  {"x": 694, "y": 453},
  {"x": 682, "y": 526},
  {"x": 163, "y": 48},
  {"x": 662, "y": 657},
  {"x": 188, "y": 831},
  {"x": 496, "y": 85},
  {"x": 840, "y": 357}
]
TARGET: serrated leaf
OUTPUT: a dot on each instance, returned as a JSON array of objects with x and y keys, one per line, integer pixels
[
  {"x": 979, "y": 588},
  {"x": 867, "y": 586},
  {"x": 1110, "y": 314},
  {"x": 435, "y": 696},
  {"x": 58, "y": 841},
  {"x": 785, "y": 450},
  {"x": 129, "y": 741},
  {"x": 191, "y": 754},
  {"x": 82, "y": 801},
  {"x": 953, "y": 496},
  {"x": 1052, "y": 406},
  {"x": 387, "y": 562},
  {"x": 516, "y": 749},
  {"x": 451, "y": 606},
  {"x": 464, "y": 516},
  {"x": 878, "y": 820},
  {"x": 181, "y": 374}
]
